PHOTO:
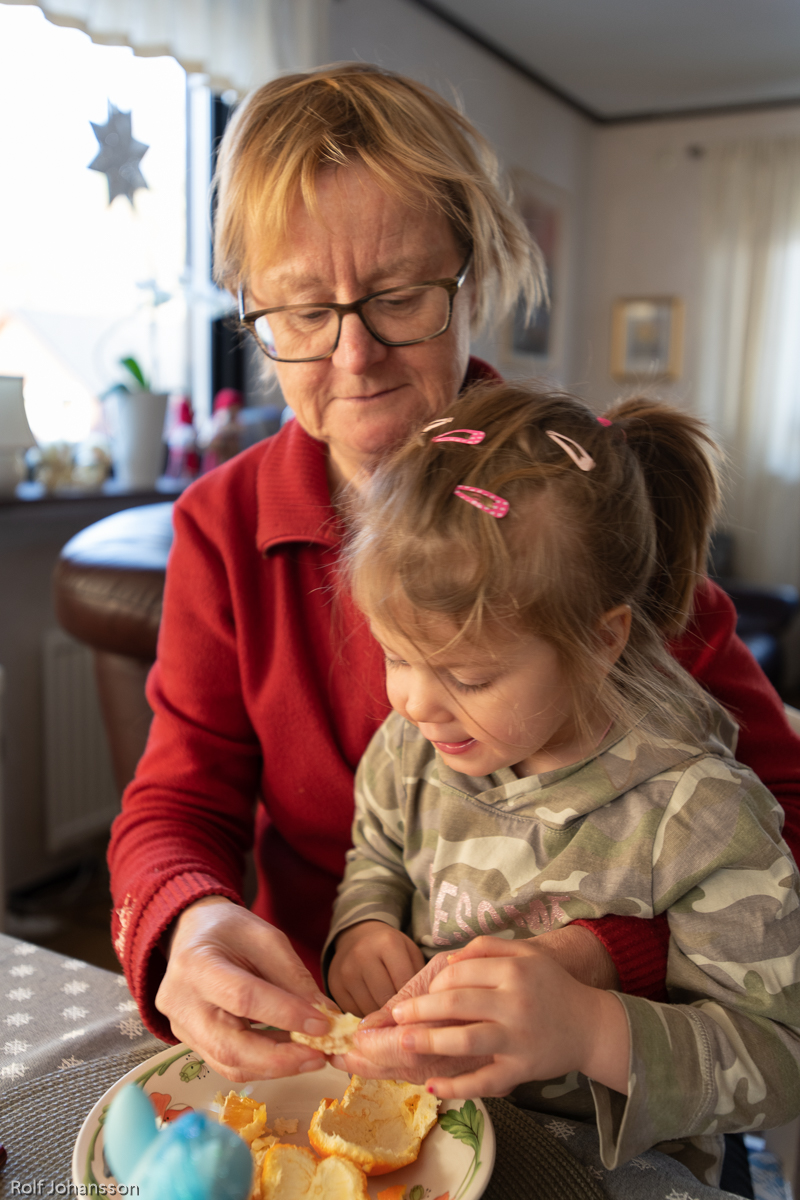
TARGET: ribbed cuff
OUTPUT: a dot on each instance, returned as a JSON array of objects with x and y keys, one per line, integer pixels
[
  {"x": 144, "y": 961},
  {"x": 638, "y": 948}
]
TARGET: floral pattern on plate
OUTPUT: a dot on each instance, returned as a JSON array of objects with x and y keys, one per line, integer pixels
[{"x": 455, "y": 1162}]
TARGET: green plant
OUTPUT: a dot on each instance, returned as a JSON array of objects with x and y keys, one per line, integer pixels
[
  {"x": 135, "y": 371},
  {"x": 135, "y": 381}
]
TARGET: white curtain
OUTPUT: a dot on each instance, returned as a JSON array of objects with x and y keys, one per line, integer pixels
[
  {"x": 238, "y": 43},
  {"x": 750, "y": 379}
]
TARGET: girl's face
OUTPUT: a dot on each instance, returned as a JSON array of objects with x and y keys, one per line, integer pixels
[{"x": 485, "y": 709}]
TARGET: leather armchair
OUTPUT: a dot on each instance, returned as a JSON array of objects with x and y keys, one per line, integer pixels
[{"x": 108, "y": 585}]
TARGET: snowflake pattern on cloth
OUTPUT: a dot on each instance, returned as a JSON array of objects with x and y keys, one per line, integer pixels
[
  {"x": 560, "y": 1129},
  {"x": 96, "y": 1016},
  {"x": 16, "y": 1047},
  {"x": 131, "y": 1027},
  {"x": 75, "y": 987},
  {"x": 72, "y": 1061}
]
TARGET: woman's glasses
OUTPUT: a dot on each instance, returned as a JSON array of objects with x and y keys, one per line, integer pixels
[{"x": 398, "y": 316}]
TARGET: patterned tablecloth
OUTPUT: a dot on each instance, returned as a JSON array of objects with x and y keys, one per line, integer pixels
[
  {"x": 67, "y": 1032},
  {"x": 57, "y": 1013}
]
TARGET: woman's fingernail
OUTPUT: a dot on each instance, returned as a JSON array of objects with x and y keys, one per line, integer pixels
[
  {"x": 316, "y": 1027},
  {"x": 312, "y": 1064},
  {"x": 431, "y": 1090}
]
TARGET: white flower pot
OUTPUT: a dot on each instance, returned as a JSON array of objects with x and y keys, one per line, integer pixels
[{"x": 137, "y": 435}]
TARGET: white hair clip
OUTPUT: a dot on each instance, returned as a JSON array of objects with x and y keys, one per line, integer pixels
[
  {"x": 436, "y": 424},
  {"x": 582, "y": 460}
]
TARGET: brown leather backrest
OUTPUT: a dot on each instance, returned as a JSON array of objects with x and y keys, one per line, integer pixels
[{"x": 109, "y": 581}]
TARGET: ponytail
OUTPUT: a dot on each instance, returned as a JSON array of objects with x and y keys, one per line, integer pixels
[{"x": 679, "y": 464}]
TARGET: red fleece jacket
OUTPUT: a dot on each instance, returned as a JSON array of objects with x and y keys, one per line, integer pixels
[{"x": 267, "y": 689}]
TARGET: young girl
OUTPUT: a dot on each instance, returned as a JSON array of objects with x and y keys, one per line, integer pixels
[{"x": 521, "y": 563}]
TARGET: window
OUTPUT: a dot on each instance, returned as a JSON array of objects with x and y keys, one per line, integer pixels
[{"x": 78, "y": 278}]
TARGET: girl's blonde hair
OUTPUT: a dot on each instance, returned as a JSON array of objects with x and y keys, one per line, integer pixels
[
  {"x": 414, "y": 144},
  {"x": 574, "y": 545}
]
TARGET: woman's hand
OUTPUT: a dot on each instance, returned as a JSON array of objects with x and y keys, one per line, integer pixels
[
  {"x": 371, "y": 964},
  {"x": 228, "y": 968},
  {"x": 517, "y": 1005}
]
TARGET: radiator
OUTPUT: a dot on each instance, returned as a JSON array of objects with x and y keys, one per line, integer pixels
[{"x": 80, "y": 796}]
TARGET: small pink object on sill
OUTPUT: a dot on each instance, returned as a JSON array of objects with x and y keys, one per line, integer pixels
[
  {"x": 226, "y": 435},
  {"x": 183, "y": 459}
]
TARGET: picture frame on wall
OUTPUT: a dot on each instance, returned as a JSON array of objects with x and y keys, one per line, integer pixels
[
  {"x": 537, "y": 344},
  {"x": 647, "y": 338}
]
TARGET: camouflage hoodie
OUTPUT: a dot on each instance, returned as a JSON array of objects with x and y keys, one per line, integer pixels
[{"x": 646, "y": 824}]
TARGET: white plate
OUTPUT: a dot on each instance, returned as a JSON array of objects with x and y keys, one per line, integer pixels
[{"x": 448, "y": 1167}]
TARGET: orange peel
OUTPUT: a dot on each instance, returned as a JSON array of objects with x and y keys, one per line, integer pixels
[
  {"x": 378, "y": 1124},
  {"x": 293, "y": 1173},
  {"x": 338, "y": 1039}
]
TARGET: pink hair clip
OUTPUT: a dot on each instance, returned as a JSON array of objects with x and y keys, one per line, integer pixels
[
  {"x": 436, "y": 424},
  {"x": 582, "y": 460},
  {"x": 497, "y": 506},
  {"x": 473, "y": 437},
  {"x": 603, "y": 421}
]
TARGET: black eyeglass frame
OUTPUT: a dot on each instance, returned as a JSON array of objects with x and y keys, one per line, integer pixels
[{"x": 452, "y": 285}]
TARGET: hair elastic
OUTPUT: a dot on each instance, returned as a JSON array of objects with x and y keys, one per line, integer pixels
[
  {"x": 497, "y": 506},
  {"x": 582, "y": 460},
  {"x": 473, "y": 437},
  {"x": 436, "y": 424}
]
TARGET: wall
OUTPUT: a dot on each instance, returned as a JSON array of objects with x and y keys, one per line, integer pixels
[
  {"x": 528, "y": 128},
  {"x": 644, "y": 231}
]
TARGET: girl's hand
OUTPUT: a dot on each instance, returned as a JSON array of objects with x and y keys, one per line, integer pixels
[
  {"x": 378, "y": 1053},
  {"x": 517, "y": 1005},
  {"x": 371, "y": 964},
  {"x": 226, "y": 969}
]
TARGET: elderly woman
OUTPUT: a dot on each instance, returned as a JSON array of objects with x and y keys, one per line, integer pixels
[{"x": 361, "y": 225}]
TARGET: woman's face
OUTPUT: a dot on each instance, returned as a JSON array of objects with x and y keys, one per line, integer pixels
[{"x": 367, "y": 397}]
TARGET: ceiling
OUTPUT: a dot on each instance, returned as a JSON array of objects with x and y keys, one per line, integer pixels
[{"x": 630, "y": 59}]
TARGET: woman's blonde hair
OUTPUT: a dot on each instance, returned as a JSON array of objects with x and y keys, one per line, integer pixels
[
  {"x": 574, "y": 545},
  {"x": 414, "y": 144}
]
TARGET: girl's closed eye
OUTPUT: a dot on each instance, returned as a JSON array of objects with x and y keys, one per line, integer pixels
[{"x": 461, "y": 686}]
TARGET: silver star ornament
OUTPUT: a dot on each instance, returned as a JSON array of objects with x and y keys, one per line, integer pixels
[{"x": 120, "y": 155}]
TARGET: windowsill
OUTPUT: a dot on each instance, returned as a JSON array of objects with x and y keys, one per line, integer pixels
[{"x": 36, "y": 493}]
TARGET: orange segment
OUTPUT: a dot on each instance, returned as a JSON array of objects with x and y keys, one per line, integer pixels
[{"x": 247, "y": 1117}]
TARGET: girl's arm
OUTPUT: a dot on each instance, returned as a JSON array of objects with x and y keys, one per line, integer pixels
[
  {"x": 723, "y": 1057},
  {"x": 711, "y": 652},
  {"x": 367, "y": 959}
]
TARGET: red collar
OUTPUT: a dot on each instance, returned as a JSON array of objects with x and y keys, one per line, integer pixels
[{"x": 294, "y": 503}]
